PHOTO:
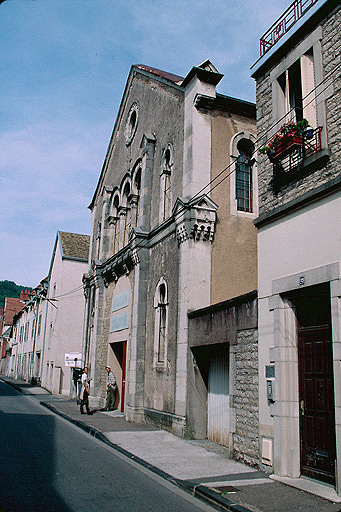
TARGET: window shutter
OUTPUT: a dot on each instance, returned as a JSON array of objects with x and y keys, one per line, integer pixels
[{"x": 308, "y": 92}]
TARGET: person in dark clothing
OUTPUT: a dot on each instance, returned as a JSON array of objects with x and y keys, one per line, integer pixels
[
  {"x": 77, "y": 380},
  {"x": 85, "y": 392}
]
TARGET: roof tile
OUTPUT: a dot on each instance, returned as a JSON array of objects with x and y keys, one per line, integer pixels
[{"x": 74, "y": 245}]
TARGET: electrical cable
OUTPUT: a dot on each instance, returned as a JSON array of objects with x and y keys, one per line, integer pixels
[
  {"x": 67, "y": 293},
  {"x": 141, "y": 246},
  {"x": 182, "y": 209}
]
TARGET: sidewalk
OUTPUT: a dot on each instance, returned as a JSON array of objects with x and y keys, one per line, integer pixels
[{"x": 201, "y": 467}]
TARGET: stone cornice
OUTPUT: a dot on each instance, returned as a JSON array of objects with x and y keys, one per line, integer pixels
[
  {"x": 225, "y": 104},
  {"x": 296, "y": 204}
]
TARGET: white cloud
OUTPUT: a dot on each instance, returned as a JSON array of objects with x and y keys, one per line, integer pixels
[{"x": 65, "y": 66}]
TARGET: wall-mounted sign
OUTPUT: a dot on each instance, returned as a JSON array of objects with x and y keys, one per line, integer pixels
[
  {"x": 73, "y": 360},
  {"x": 119, "y": 322},
  {"x": 120, "y": 301},
  {"x": 270, "y": 371}
]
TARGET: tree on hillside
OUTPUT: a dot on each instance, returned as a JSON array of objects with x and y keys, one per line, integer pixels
[{"x": 10, "y": 289}]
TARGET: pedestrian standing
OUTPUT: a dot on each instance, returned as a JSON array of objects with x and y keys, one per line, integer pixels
[
  {"x": 85, "y": 392},
  {"x": 77, "y": 380},
  {"x": 111, "y": 390}
]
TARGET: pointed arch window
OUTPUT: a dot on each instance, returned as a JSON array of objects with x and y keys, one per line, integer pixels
[
  {"x": 166, "y": 183},
  {"x": 98, "y": 240},
  {"x": 161, "y": 324},
  {"x": 135, "y": 196},
  {"x": 126, "y": 211},
  {"x": 116, "y": 225}
]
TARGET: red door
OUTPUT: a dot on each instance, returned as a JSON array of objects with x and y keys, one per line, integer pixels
[
  {"x": 316, "y": 388},
  {"x": 124, "y": 361}
]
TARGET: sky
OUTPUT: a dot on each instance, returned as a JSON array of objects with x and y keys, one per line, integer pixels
[{"x": 64, "y": 65}]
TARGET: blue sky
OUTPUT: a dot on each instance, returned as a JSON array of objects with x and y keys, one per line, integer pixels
[{"x": 64, "y": 64}]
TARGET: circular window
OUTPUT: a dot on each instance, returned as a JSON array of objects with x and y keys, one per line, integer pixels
[{"x": 131, "y": 123}]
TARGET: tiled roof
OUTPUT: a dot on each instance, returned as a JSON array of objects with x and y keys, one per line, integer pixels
[
  {"x": 74, "y": 245},
  {"x": 12, "y": 306},
  {"x": 158, "y": 72}
]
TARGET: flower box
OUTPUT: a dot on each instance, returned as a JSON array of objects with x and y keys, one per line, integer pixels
[
  {"x": 287, "y": 139},
  {"x": 289, "y": 143}
]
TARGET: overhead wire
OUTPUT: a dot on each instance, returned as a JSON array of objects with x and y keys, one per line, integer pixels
[
  {"x": 67, "y": 293},
  {"x": 182, "y": 209}
]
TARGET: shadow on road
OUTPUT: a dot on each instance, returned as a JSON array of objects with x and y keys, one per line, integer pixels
[{"x": 28, "y": 468}]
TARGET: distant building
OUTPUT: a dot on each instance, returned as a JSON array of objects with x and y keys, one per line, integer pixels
[
  {"x": 11, "y": 307},
  {"x": 63, "y": 329},
  {"x": 26, "y": 341},
  {"x": 173, "y": 244},
  {"x": 299, "y": 250}
]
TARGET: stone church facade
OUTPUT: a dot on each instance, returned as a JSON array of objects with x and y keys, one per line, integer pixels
[{"x": 172, "y": 235}]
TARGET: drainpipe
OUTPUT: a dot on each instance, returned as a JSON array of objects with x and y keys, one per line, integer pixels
[
  {"x": 44, "y": 338},
  {"x": 87, "y": 293},
  {"x": 34, "y": 341}
]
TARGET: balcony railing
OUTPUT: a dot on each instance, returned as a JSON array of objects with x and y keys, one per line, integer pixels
[
  {"x": 291, "y": 158},
  {"x": 294, "y": 12}
]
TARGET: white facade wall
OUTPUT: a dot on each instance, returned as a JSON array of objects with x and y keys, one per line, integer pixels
[
  {"x": 64, "y": 321},
  {"x": 26, "y": 354},
  {"x": 303, "y": 249}
]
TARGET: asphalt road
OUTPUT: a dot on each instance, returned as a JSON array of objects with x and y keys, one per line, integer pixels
[{"x": 49, "y": 465}]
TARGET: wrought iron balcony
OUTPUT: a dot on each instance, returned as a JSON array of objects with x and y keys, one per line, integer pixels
[
  {"x": 294, "y": 12},
  {"x": 297, "y": 156}
]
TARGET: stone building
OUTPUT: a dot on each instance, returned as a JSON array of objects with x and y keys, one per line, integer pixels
[
  {"x": 299, "y": 250},
  {"x": 172, "y": 233}
]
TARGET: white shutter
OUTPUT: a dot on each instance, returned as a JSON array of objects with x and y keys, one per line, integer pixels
[
  {"x": 290, "y": 114},
  {"x": 308, "y": 89}
]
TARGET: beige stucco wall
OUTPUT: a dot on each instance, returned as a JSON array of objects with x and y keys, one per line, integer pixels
[{"x": 234, "y": 255}]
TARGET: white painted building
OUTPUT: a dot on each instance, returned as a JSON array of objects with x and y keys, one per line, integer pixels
[
  {"x": 63, "y": 330},
  {"x": 28, "y": 337}
]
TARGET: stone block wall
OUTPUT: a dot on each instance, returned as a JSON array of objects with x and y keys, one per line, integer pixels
[
  {"x": 245, "y": 398},
  {"x": 331, "y": 52},
  {"x": 329, "y": 91},
  {"x": 160, "y": 382}
]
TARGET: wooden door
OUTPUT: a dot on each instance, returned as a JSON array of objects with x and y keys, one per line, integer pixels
[
  {"x": 124, "y": 363},
  {"x": 316, "y": 389}
]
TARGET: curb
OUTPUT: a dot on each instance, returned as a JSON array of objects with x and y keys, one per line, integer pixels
[
  {"x": 199, "y": 491},
  {"x": 14, "y": 386},
  {"x": 205, "y": 494}
]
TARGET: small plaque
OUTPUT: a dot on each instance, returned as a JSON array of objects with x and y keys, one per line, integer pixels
[{"x": 270, "y": 371}]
